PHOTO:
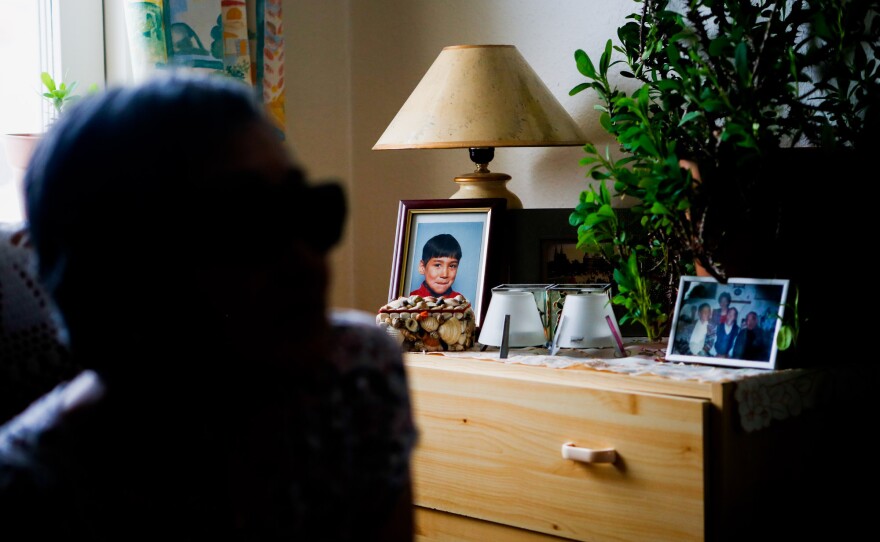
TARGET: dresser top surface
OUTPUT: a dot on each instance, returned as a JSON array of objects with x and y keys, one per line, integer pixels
[{"x": 578, "y": 375}]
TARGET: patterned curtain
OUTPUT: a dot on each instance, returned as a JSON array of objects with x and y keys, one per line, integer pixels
[{"x": 241, "y": 38}]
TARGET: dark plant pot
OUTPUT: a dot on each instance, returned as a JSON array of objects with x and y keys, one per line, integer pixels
[{"x": 783, "y": 216}]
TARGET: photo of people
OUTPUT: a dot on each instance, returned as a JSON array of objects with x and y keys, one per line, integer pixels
[
  {"x": 439, "y": 266},
  {"x": 448, "y": 248},
  {"x": 445, "y": 260},
  {"x": 727, "y": 324}
]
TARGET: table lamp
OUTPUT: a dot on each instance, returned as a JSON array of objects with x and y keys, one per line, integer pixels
[{"x": 480, "y": 97}]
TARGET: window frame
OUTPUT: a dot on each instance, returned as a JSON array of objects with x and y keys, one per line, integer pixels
[{"x": 71, "y": 42}]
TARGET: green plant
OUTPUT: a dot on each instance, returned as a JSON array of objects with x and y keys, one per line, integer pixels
[
  {"x": 719, "y": 85},
  {"x": 644, "y": 286},
  {"x": 60, "y": 94},
  {"x": 791, "y": 326}
]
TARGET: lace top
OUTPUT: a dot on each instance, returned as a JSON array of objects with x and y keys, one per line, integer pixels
[{"x": 33, "y": 358}]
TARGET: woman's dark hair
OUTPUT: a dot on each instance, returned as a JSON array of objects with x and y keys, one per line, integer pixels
[
  {"x": 103, "y": 171},
  {"x": 443, "y": 245},
  {"x": 130, "y": 188},
  {"x": 725, "y": 295}
]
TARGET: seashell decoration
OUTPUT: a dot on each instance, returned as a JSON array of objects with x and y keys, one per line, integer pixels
[
  {"x": 412, "y": 324},
  {"x": 428, "y": 324},
  {"x": 450, "y": 331},
  {"x": 392, "y": 332}
]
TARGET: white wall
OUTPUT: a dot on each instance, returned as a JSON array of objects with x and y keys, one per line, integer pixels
[
  {"x": 351, "y": 64},
  {"x": 393, "y": 43},
  {"x": 319, "y": 111}
]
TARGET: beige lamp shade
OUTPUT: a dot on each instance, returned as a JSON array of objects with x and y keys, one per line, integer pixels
[{"x": 481, "y": 97}]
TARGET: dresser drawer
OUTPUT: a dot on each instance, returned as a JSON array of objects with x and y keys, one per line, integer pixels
[
  {"x": 435, "y": 526},
  {"x": 490, "y": 449}
]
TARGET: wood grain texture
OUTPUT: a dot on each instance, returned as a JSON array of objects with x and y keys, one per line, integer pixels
[
  {"x": 436, "y": 526},
  {"x": 490, "y": 449}
]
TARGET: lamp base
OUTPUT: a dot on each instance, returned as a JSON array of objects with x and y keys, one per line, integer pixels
[{"x": 486, "y": 185}]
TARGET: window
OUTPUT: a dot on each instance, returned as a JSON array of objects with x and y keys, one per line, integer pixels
[
  {"x": 19, "y": 94},
  {"x": 62, "y": 37}
]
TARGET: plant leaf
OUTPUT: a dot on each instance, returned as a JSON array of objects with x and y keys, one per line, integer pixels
[
  {"x": 47, "y": 81},
  {"x": 584, "y": 64}
]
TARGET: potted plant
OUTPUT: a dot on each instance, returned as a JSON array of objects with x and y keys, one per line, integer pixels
[
  {"x": 20, "y": 146},
  {"x": 734, "y": 104},
  {"x": 60, "y": 94}
]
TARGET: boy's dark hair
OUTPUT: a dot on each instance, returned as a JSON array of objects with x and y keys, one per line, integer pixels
[{"x": 441, "y": 246}]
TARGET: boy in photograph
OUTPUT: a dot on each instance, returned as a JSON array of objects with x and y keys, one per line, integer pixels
[{"x": 439, "y": 265}]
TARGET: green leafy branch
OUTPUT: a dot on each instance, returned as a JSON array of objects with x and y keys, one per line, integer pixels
[
  {"x": 647, "y": 267},
  {"x": 644, "y": 287}
]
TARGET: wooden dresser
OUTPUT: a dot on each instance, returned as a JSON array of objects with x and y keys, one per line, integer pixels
[{"x": 489, "y": 464}]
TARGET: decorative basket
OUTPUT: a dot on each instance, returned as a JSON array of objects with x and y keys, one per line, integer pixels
[{"x": 428, "y": 324}]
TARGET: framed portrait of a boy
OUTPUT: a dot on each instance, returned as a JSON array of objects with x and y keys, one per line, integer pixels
[
  {"x": 733, "y": 324},
  {"x": 448, "y": 247}
]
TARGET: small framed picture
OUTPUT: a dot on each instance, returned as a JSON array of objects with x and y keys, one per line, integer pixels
[
  {"x": 733, "y": 324},
  {"x": 562, "y": 262},
  {"x": 448, "y": 247}
]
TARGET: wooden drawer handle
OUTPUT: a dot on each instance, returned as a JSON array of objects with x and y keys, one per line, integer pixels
[{"x": 588, "y": 455}]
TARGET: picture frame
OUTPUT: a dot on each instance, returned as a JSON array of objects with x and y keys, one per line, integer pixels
[
  {"x": 749, "y": 341},
  {"x": 474, "y": 223},
  {"x": 562, "y": 262},
  {"x": 541, "y": 245}
]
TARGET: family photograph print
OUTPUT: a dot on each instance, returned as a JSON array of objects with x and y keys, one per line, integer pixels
[{"x": 733, "y": 324}]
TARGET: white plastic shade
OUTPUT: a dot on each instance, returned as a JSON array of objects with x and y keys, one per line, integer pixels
[
  {"x": 583, "y": 323},
  {"x": 525, "y": 327}
]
